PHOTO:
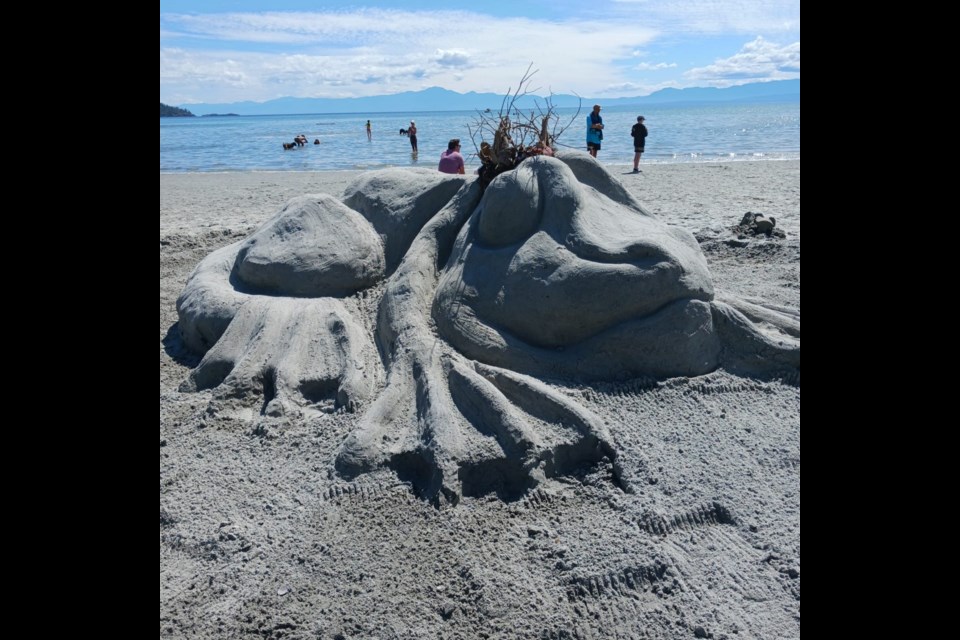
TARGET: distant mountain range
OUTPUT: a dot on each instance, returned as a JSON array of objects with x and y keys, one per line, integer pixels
[{"x": 437, "y": 99}]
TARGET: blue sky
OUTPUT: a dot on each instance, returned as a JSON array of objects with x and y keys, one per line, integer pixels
[{"x": 227, "y": 51}]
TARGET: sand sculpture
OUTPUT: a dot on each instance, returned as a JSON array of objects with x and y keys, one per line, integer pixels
[{"x": 553, "y": 273}]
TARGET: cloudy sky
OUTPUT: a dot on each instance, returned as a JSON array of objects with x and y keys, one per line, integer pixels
[{"x": 232, "y": 50}]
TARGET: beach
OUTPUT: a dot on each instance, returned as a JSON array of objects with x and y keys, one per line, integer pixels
[{"x": 259, "y": 536}]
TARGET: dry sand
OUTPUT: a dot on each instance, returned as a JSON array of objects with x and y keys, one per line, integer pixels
[{"x": 257, "y": 539}]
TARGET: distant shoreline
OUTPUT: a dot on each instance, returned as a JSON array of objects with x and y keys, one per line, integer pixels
[{"x": 448, "y": 100}]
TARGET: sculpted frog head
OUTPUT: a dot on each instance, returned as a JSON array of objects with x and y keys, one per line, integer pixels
[{"x": 552, "y": 277}]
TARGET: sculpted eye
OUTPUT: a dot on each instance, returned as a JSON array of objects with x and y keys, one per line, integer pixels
[{"x": 510, "y": 208}]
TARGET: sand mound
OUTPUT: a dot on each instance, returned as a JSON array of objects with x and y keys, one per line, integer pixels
[
  {"x": 261, "y": 536},
  {"x": 553, "y": 272}
]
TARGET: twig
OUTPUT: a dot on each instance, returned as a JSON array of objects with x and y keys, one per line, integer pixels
[{"x": 515, "y": 134}]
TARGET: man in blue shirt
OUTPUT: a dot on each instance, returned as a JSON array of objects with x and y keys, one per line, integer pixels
[{"x": 594, "y": 131}]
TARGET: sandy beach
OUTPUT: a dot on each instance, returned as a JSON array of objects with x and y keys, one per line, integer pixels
[{"x": 260, "y": 538}]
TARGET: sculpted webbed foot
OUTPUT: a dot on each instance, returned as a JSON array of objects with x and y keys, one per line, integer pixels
[
  {"x": 757, "y": 338},
  {"x": 269, "y": 317},
  {"x": 452, "y": 426},
  {"x": 290, "y": 354}
]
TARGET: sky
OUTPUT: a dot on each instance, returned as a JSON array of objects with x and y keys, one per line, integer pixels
[{"x": 234, "y": 50}]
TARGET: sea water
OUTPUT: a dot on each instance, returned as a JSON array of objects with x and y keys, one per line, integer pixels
[{"x": 690, "y": 133}]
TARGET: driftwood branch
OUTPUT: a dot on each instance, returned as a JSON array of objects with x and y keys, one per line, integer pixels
[{"x": 504, "y": 139}]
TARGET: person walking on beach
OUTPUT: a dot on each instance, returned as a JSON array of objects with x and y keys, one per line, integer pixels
[
  {"x": 594, "y": 131},
  {"x": 450, "y": 160},
  {"x": 412, "y": 132},
  {"x": 639, "y": 133},
  {"x": 369, "y": 131}
]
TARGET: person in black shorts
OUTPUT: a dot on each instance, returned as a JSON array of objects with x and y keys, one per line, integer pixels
[
  {"x": 412, "y": 132},
  {"x": 639, "y": 133}
]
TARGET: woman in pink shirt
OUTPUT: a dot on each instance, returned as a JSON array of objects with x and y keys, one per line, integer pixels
[{"x": 450, "y": 160}]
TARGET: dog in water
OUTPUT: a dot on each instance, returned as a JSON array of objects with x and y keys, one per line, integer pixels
[
  {"x": 289, "y": 145},
  {"x": 403, "y": 132}
]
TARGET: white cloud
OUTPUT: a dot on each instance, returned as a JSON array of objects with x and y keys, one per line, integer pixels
[
  {"x": 622, "y": 87},
  {"x": 757, "y": 60},
  {"x": 336, "y": 54},
  {"x": 357, "y": 52},
  {"x": 291, "y": 28},
  {"x": 716, "y": 16},
  {"x": 453, "y": 58},
  {"x": 646, "y": 66}
]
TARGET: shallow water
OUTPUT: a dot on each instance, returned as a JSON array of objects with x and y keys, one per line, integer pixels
[{"x": 769, "y": 131}]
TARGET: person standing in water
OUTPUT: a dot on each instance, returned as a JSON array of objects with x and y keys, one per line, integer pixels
[
  {"x": 412, "y": 132},
  {"x": 369, "y": 131},
  {"x": 639, "y": 133}
]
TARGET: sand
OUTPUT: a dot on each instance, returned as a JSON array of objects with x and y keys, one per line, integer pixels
[{"x": 257, "y": 538}]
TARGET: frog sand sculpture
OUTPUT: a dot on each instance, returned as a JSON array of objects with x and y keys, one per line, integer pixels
[{"x": 553, "y": 273}]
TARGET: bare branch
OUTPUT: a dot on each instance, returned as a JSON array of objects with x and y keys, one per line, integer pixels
[{"x": 515, "y": 134}]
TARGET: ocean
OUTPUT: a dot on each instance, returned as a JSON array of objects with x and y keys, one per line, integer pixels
[{"x": 693, "y": 133}]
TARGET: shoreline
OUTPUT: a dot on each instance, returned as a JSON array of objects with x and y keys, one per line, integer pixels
[{"x": 474, "y": 166}]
